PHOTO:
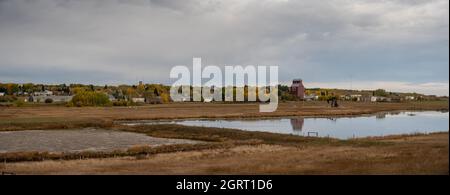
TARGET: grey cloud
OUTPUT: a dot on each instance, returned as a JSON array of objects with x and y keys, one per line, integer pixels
[{"x": 320, "y": 41}]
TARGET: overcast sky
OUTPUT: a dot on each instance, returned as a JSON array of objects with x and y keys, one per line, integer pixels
[{"x": 399, "y": 45}]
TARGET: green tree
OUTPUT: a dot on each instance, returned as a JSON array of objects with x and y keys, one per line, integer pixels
[
  {"x": 90, "y": 98},
  {"x": 12, "y": 88},
  {"x": 380, "y": 92}
]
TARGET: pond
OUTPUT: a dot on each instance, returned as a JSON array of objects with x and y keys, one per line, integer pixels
[
  {"x": 76, "y": 140},
  {"x": 381, "y": 124}
]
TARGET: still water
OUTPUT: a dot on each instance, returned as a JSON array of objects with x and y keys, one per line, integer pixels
[{"x": 381, "y": 124}]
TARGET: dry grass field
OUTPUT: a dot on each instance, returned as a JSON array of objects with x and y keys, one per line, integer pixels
[
  {"x": 228, "y": 151},
  {"x": 45, "y": 117},
  {"x": 420, "y": 154}
]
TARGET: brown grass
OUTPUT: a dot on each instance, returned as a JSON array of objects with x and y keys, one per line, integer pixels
[
  {"x": 228, "y": 151},
  {"x": 133, "y": 151},
  {"x": 408, "y": 157},
  {"x": 239, "y": 152},
  {"x": 215, "y": 137},
  {"x": 13, "y": 118}
]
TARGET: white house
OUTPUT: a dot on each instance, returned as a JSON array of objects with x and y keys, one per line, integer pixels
[
  {"x": 409, "y": 98},
  {"x": 379, "y": 99},
  {"x": 375, "y": 99},
  {"x": 356, "y": 97},
  {"x": 311, "y": 97},
  {"x": 43, "y": 93},
  {"x": 111, "y": 98},
  {"x": 138, "y": 100}
]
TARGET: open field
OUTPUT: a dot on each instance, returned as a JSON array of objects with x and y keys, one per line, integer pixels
[
  {"x": 213, "y": 138},
  {"x": 47, "y": 117},
  {"x": 419, "y": 154},
  {"x": 227, "y": 151}
]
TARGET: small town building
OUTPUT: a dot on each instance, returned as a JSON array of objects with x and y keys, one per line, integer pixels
[
  {"x": 43, "y": 93},
  {"x": 366, "y": 98},
  {"x": 379, "y": 99},
  {"x": 374, "y": 98},
  {"x": 312, "y": 97},
  {"x": 345, "y": 97},
  {"x": 111, "y": 98},
  {"x": 356, "y": 97},
  {"x": 153, "y": 100},
  {"x": 138, "y": 100},
  {"x": 352, "y": 97},
  {"x": 298, "y": 89},
  {"x": 396, "y": 99},
  {"x": 409, "y": 98}
]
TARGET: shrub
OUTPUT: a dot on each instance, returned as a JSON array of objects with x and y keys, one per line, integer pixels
[
  {"x": 90, "y": 98},
  {"x": 8, "y": 98},
  {"x": 288, "y": 97},
  {"x": 48, "y": 101},
  {"x": 123, "y": 103},
  {"x": 19, "y": 103},
  {"x": 165, "y": 98}
]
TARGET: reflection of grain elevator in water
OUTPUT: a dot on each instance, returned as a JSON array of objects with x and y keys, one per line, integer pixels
[{"x": 297, "y": 123}]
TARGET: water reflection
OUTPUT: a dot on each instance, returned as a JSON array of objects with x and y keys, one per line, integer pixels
[
  {"x": 380, "y": 115},
  {"x": 297, "y": 123},
  {"x": 332, "y": 119},
  {"x": 381, "y": 124}
]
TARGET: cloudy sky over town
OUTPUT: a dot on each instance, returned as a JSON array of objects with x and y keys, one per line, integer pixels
[{"x": 399, "y": 45}]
